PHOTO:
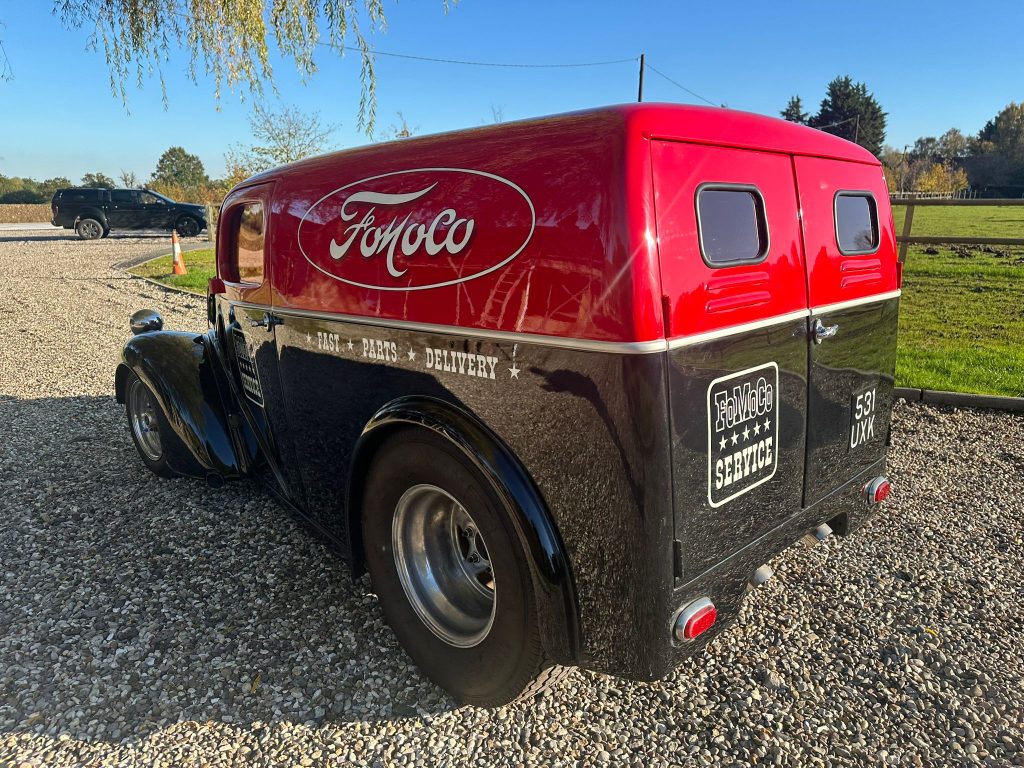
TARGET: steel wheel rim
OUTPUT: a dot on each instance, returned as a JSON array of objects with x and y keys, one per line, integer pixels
[
  {"x": 142, "y": 415},
  {"x": 91, "y": 229},
  {"x": 444, "y": 566}
]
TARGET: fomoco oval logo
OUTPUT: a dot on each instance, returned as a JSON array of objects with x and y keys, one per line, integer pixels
[{"x": 417, "y": 229}]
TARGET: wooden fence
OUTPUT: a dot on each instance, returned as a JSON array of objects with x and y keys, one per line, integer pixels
[{"x": 906, "y": 239}]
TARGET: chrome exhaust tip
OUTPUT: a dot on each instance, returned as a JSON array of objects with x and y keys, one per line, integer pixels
[{"x": 818, "y": 535}]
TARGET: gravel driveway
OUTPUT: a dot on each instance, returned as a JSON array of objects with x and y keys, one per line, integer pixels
[{"x": 162, "y": 622}]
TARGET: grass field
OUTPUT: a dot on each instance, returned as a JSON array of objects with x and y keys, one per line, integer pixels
[
  {"x": 200, "y": 265},
  {"x": 961, "y": 316}
]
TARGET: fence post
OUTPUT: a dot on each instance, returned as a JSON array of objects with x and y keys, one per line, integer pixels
[
  {"x": 908, "y": 221},
  {"x": 211, "y": 223}
]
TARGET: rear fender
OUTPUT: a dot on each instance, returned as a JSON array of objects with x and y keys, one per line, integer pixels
[
  {"x": 554, "y": 591},
  {"x": 185, "y": 375}
]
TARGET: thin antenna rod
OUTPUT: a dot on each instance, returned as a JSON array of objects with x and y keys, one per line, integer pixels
[{"x": 640, "y": 89}]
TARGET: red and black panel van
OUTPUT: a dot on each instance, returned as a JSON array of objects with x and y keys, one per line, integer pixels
[{"x": 562, "y": 386}]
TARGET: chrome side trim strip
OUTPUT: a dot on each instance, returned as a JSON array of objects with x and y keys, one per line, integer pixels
[
  {"x": 826, "y": 308},
  {"x": 721, "y": 333},
  {"x": 586, "y": 345}
]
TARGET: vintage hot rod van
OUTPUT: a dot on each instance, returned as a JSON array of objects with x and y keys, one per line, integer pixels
[{"x": 562, "y": 386}]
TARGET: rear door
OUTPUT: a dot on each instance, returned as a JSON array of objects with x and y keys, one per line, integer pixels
[
  {"x": 250, "y": 329},
  {"x": 124, "y": 210},
  {"x": 854, "y": 289},
  {"x": 735, "y": 298}
]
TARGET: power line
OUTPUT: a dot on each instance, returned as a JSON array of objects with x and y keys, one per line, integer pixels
[
  {"x": 681, "y": 86},
  {"x": 479, "y": 63}
]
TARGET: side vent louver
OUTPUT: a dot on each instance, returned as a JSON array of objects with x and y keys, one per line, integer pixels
[{"x": 246, "y": 369}]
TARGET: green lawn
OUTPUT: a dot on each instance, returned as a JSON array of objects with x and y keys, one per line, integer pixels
[
  {"x": 961, "y": 317},
  {"x": 200, "y": 264}
]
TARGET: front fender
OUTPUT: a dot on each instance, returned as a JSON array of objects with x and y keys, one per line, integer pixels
[
  {"x": 185, "y": 375},
  {"x": 549, "y": 566}
]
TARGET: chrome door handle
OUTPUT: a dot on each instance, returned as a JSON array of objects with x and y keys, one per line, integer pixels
[
  {"x": 268, "y": 321},
  {"x": 820, "y": 332}
]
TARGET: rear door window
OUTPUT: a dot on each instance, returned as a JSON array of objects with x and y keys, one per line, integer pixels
[
  {"x": 247, "y": 243},
  {"x": 122, "y": 196},
  {"x": 731, "y": 225},
  {"x": 856, "y": 223}
]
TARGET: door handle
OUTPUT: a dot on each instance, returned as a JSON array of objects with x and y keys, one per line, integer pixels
[
  {"x": 268, "y": 321},
  {"x": 820, "y": 332}
]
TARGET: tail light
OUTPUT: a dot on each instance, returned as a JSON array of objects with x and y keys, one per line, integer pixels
[
  {"x": 899, "y": 274},
  {"x": 695, "y": 619},
  {"x": 877, "y": 491}
]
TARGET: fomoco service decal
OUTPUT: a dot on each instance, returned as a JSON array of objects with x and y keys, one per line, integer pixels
[
  {"x": 417, "y": 229},
  {"x": 743, "y": 432}
]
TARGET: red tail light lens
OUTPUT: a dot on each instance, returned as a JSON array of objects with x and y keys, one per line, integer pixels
[
  {"x": 695, "y": 619},
  {"x": 877, "y": 490},
  {"x": 899, "y": 274}
]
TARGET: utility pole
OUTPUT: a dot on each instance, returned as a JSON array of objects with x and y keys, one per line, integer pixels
[
  {"x": 640, "y": 89},
  {"x": 856, "y": 130}
]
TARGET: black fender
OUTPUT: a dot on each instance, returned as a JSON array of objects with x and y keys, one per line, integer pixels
[
  {"x": 185, "y": 374},
  {"x": 93, "y": 213},
  {"x": 550, "y": 570}
]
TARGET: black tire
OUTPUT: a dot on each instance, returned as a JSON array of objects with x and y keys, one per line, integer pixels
[
  {"x": 508, "y": 663},
  {"x": 89, "y": 229},
  {"x": 188, "y": 226},
  {"x": 171, "y": 450}
]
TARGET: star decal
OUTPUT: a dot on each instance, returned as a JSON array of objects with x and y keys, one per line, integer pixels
[
  {"x": 412, "y": 355},
  {"x": 721, "y": 445},
  {"x": 514, "y": 370},
  {"x": 767, "y": 424},
  {"x": 309, "y": 339},
  {"x": 757, "y": 428},
  {"x": 735, "y": 438},
  {"x": 746, "y": 433},
  {"x": 351, "y": 346}
]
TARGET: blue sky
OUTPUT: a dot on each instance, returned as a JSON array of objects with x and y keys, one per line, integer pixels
[{"x": 931, "y": 65}]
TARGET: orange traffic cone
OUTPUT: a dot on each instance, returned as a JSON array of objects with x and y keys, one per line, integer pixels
[{"x": 176, "y": 258}]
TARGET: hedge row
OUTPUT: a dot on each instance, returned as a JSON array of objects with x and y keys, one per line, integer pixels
[{"x": 24, "y": 214}]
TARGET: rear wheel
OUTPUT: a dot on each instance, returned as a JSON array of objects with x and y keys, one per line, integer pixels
[
  {"x": 450, "y": 573},
  {"x": 89, "y": 229}
]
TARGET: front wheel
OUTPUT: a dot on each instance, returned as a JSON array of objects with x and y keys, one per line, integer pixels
[
  {"x": 450, "y": 572},
  {"x": 150, "y": 431},
  {"x": 188, "y": 226}
]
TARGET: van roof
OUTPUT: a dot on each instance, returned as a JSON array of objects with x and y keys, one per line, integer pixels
[
  {"x": 720, "y": 126},
  {"x": 674, "y": 122}
]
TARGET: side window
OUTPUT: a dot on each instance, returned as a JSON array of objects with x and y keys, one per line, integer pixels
[
  {"x": 856, "y": 223},
  {"x": 246, "y": 257},
  {"x": 731, "y": 224},
  {"x": 147, "y": 198},
  {"x": 122, "y": 196}
]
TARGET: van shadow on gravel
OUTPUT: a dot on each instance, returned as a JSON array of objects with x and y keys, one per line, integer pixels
[{"x": 128, "y": 603}]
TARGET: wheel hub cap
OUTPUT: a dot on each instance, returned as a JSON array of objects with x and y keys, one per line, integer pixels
[
  {"x": 143, "y": 420},
  {"x": 443, "y": 565}
]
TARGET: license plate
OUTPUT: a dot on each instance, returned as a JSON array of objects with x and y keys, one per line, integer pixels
[{"x": 864, "y": 405}]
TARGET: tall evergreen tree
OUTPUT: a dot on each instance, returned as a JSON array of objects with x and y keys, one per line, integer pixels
[
  {"x": 851, "y": 111},
  {"x": 794, "y": 111}
]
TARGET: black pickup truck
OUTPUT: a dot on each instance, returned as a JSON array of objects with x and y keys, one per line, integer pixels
[{"x": 93, "y": 212}]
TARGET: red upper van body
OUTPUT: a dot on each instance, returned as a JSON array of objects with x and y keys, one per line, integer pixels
[{"x": 662, "y": 336}]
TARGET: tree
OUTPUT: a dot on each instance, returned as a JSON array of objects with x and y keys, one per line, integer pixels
[
  {"x": 794, "y": 111},
  {"x": 285, "y": 136},
  {"x": 925, "y": 148},
  {"x": 1003, "y": 136},
  {"x": 97, "y": 180},
  {"x": 942, "y": 179},
  {"x": 129, "y": 179},
  {"x": 228, "y": 41},
  {"x": 399, "y": 130},
  {"x": 849, "y": 110},
  {"x": 176, "y": 166},
  {"x": 953, "y": 146}
]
